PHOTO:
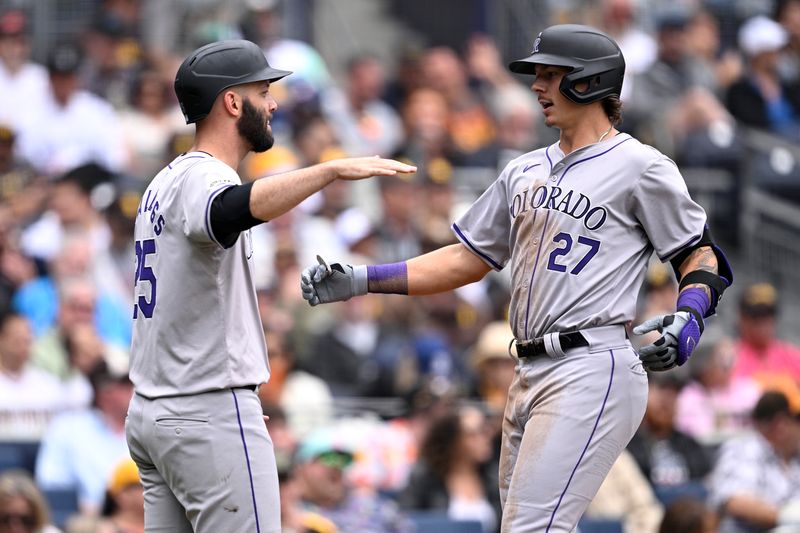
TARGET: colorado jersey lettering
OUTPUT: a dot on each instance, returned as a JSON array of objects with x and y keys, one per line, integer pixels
[{"x": 579, "y": 231}]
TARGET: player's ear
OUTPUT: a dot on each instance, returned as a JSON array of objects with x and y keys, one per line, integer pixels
[{"x": 232, "y": 102}]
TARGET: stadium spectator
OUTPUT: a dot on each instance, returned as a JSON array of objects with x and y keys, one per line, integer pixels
[
  {"x": 787, "y": 12},
  {"x": 305, "y": 398},
  {"x": 365, "y": 124},
  {"x": 455, "y": 473},
  {"x": 29, "y": 396},
  {"x": 77, "y": 303},
  {"x": 673, "y": 462},
  {"x": 112, "y": 56},
  {"x": 760, "y": 98},
  {"x": 671, "y": 83},
  {"x": 626, "y": 496},
  {"x": 72, "y": 126},
  {"x": 80, "y": 449},
  {"x": 715, "y": 405},
  {"x": 295, "y": 519},
  {"x": 756, "y": 480},
  {"x": 689, "y": 515},
  {"x": 148, "y": 122},
  {"x": 23, "y": 508},
  {"x": 123, "y": 508},
  {"x": 621, "y": 20},
  {"x": 398, "y": 234},
  {"x": 493, "y": 366},
  {"x": 325, "y": 489},
  {"x": 22, "y": 189},
  {"x": 471, "y": 126},
  {"x": 21, "y": 80},
  {"x": 760, "y": 354}
]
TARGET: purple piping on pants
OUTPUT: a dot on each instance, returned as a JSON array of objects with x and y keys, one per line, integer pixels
[
  {"x": 588, "y": 442},
  {"x": 247, "y": 458}
]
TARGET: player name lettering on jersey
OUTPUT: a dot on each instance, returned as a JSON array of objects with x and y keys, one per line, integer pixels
[
  {"x": 150, "y": 204},
  {"x": 576, "y": 205}
]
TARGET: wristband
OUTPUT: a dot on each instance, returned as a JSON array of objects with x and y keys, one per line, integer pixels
[{"x": 391, "y": 278}]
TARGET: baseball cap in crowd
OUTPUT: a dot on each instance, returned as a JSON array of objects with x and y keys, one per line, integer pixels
[
  {"x": 493, "y": 343},
  {"x": 324, "y": 446},
  {"x": 759, "y": 300},
  {"x": 13, "y": 22},
  {"x": 673, "y": 18},
  {"x": 6, "y": 134},
  {"x": 64, "y": 59},
  {"x": 761, "y": 34},
  {"x": 125, "y": 474}
]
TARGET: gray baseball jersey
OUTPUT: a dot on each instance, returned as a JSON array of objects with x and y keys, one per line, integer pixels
[
  {"x": 579, "y": 231},
  {"x": 196, "y": 322}
]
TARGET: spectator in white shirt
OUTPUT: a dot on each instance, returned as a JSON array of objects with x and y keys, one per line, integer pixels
[
  {"x": 20, "y": 79},
  {"x": 756, "y": 482},
  {"x": 29, "y": 396},
  {"x": 72, "y": 126}
]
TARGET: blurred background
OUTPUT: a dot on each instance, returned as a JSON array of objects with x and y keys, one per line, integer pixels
[{"x": 88, "y": 116}]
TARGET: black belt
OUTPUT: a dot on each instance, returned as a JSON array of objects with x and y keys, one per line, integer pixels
[
  {"x": 253, "y": 388},
  {"x": 535, "y": 347}
]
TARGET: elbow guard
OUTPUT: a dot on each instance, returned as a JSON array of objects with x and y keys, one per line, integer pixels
[{"x": 716, "y": 282}]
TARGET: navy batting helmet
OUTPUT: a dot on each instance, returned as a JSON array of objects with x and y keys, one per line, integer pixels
[
  {"x": 212, "y": 68},
  {"x": 592, "y": 56}
]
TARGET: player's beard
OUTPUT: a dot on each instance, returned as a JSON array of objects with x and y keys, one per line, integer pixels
[{"x": 252, "y": 125}]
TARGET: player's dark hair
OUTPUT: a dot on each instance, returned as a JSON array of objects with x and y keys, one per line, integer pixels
[
  {"x": 612, "y": 106},
  {"x": 684, "y": 515}
]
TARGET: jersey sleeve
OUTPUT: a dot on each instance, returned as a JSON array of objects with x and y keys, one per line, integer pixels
[
  {"x": 485, "y": 227},
  {"x": 669, "y": 216},
  {"x": 203, "y": 183}
]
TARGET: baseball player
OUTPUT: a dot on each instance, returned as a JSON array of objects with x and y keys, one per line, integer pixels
[
  {"x": 198, "y": 354},
  {"x": 576, "y": 222}
]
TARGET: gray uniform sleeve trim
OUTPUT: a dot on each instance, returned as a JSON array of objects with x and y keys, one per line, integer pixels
[
  {"x": 463, "y": 238},
  {"x": 208, "y": 212}
]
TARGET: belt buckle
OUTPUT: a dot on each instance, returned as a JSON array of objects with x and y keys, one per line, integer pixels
[{"x": 535, "y": 346}]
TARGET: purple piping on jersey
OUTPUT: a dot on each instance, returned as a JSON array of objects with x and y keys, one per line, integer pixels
[
  {"x": 544, "y": 227},
  {"x": 679, "y": 248},
  {"x": 208, "y": 211},
  {"x": 535, "y": 264},
  {"x": 247, "y": 458},
  {"x": 590, "y": 157},
  {"x": 547, "y": 153},
  {"x": 472, "y": 247},
  {"x": 591, "y": 436},
  {"x": 190, "y": 157}
]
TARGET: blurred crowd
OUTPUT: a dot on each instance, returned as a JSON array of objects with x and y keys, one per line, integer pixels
[{"x": 382, "y": 408}]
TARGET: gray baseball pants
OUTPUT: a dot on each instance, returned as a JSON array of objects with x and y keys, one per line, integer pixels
[
  {"x": 566, "y": 422},
  {"x": 206, "y": 461}
]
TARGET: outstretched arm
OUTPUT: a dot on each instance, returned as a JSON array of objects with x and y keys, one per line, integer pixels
[{"x": 438, "y": 271}]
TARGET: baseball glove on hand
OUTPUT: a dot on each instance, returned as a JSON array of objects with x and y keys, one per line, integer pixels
[
  {"x": 680, "y": 333},
  {"x": 321, "y": 284}
]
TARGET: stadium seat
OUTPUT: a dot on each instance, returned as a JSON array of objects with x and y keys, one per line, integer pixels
[
  {"x": 435, "y": 522},
  {"x": 18, "y": 455},
  {"x": 63, "y": 503},
  {"x": 597, "y": 525}
]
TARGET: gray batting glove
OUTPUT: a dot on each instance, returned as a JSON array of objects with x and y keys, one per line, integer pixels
[
  {"x": 322, "y": 284},
  {"x": 680, "y": 333}
]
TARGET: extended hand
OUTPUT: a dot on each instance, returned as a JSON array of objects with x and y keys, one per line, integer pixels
[
  {"x": 680, "y": 333},
  {"x": 321, "y": 284},
  {"x": 356, "y": 168}
]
